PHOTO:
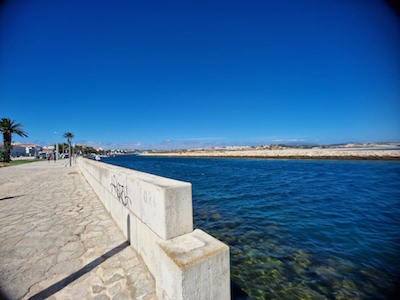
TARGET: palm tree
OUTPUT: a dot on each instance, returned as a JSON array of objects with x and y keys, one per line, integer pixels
[
  {"x": 7, "y": 128},
  {"x": 69, "y": 136}
]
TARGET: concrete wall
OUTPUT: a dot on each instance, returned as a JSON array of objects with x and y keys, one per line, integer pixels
[{"x": 155, "y": 215}]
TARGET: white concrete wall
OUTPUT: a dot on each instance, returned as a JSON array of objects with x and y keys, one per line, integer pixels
[{"x": 155, "y": 214}]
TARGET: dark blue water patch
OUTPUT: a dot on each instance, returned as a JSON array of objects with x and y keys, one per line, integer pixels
[{"x": 296, "y": 229}]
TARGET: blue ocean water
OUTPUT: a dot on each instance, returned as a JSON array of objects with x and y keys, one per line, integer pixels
[{"x": 297, "y": 229}]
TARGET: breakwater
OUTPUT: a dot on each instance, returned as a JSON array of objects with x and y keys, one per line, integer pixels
[
  {"x": 315, "y": 153},
  {"x": 155, "y": 215}
]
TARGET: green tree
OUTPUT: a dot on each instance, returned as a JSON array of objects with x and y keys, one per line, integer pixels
[
  {"x": 61, "y": 147},
  {"x": 8, "y": 128},
  {"x": 69, "y": 136}
]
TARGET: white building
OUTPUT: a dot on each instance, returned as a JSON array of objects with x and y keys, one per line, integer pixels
[{"x": 19, "y": 149}]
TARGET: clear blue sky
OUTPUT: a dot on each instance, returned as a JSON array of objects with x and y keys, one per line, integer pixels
[{"x": 159, "y": 74}]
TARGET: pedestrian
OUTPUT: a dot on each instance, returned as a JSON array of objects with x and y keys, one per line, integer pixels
[
  {"x": 55, "y": 157},
  {"x": 48, "y": 158}
]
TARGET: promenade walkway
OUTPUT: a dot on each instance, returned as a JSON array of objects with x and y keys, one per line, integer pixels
[{"x": 58, "y": 242}]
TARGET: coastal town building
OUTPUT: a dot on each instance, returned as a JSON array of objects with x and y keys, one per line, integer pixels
[
  {"x": 20, "y": 149},
  {"x": 48, "y": 149}
]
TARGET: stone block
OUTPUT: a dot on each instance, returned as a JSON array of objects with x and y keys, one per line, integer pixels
[
  {"x": 165, "y": 205},
  {"x": 199, "y": 265}
]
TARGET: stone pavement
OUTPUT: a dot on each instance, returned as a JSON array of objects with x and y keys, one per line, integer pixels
[{"x": 58, "y": 242}]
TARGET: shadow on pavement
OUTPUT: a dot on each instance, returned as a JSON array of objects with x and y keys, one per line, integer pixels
[
  {"x": 86, "y": 269},
  {"x": 10, "y": 197},
  {"x": 3, "y": 296}
]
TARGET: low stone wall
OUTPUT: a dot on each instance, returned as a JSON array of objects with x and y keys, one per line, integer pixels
[{"x": 155, "y": 215}]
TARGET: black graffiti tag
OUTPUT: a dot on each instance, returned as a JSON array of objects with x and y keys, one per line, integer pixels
[{"x": 121, "y": 191}]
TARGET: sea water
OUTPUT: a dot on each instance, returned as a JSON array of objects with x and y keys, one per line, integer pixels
[{"x": 297, "y": 229}]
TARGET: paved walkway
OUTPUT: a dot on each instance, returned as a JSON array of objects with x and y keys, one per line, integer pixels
[{"x": 58, "y": 242}]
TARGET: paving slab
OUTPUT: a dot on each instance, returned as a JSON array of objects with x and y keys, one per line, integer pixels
[{"x": 57, "y": 241}]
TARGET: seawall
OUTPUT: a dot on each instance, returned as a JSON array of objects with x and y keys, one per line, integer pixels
[
  {"x": 155, "y": 215},
  {"x": 331, "y": 153}
]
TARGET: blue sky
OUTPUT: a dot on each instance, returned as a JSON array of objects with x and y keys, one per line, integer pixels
[{"x": 172, "y": 74}]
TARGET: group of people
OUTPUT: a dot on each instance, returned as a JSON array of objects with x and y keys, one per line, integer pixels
[{"x": 55, "y": 157}]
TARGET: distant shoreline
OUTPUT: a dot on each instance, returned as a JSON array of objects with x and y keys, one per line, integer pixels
[{"x": 326, "y": 154}]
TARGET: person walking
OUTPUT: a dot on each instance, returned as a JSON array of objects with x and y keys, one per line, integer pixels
[
  {"x": 55, "y": 157},
  {"x": 48, "y": 158}
]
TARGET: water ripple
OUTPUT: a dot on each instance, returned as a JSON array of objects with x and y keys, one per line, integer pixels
[{"x": 296, "y": 229}]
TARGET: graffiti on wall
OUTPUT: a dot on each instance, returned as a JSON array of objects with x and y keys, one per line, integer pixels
[{"x": 121, "y": 191}]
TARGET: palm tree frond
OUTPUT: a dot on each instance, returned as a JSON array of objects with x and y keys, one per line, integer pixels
[
  {"x": 68, "y": 135},
  {"x": 7, "y": 126}
]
